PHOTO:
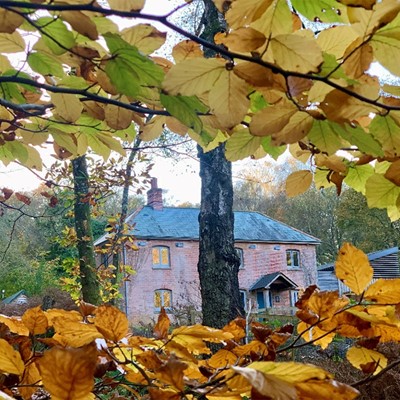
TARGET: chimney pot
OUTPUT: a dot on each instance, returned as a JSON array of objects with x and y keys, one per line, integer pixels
[{"x": 154, "y": 196}]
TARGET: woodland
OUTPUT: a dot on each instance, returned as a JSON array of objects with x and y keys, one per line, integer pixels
[{"x": 249, "y": 78}]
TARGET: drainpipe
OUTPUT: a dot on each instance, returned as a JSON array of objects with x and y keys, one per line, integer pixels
[{"x": 125, "y": 294}]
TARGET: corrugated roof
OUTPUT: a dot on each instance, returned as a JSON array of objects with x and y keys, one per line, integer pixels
[
  {"x": 266, "y": 280},
  {"x": 10, "y": 299},
  {"x": 371, "y": 257},
  {"x": 182, "y": 223}
]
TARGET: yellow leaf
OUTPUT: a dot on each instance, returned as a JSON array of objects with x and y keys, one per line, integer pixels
[
  {"x": 357, "y": 59},
  {"x": 384, "y": 291},
  {"x": 246, "y": 11},
  {"x": 327, "y": 390},
  {"x": 360, "y": 356},
  {"x": 9, "y": 21},
  {"x": 111, "y": 323},
  {"x": 242, "y": 39},
  {"x": 145, "y": 37},
  {"x": 335, "y": 40},
  {"x": 222, "y": 358},
  {"x": 34, "y": 160},
  {"x": 15, "y": 325},
  {"x": 228, "y": 99},
  {"x": 298, "y": 182},
  {"x": 118, "y": 117},
  {"x": 81, "y": 23},
  {"x": 296, "y": 53},
  {"x": 10, "y": 359},
  {"x": 126, "y": 5},
  {"x": 272, "y": 119},
  {"x": 68, "y": 373},
  {"x": 353, "y": 268},
  {"x": 153, "y": 129},
  {"x": 186, "y": 49},
  {"x": 73, "y": 333},
  {"x": 11, "y": 42},
  {"x": 193, "y": 76},
  {"x": 317, "y": 336},
  {"x": 30, "y": 379},
  {"x": 67, "y": 106},
  {"x": 35, "y": 320},
  {"x": 380, "y": 192},
  {"x": 296, "y": 129}
]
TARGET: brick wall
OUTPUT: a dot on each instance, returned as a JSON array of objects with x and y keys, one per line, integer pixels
[{"x": 182, "y": 277}]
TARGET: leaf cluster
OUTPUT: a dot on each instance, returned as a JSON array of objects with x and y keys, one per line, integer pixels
[
  {"x": 285, "y": 73},
  {"x": 80, "y": 355}
]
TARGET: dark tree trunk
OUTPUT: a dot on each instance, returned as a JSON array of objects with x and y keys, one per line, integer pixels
[
  {"x": 218, "y": 262},
  {"x": 87, "y": 262}
]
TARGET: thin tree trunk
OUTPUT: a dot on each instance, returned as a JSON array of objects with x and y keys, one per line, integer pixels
[
  {"x": 87, "y": 262},
  {"x": 218, "y": 264}
]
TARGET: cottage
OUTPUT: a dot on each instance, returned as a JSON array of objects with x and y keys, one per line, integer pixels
[
  {"x": 276, "y": 260},
  {"x": 18, "y": 298},
  {"x": 385, "y": 264}
]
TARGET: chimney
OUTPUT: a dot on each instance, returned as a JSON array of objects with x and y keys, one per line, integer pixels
[{"x": 154, "y": 196}]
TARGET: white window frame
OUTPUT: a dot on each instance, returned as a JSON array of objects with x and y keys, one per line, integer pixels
[
  {"x": 291, "y": 252},
  {"x": 161, "y": 292},
  {"x": 160, "y": 265},
  {"x": 240, "y": 253}
]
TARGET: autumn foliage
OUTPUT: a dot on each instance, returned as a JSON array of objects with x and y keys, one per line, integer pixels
[{"x": 77, "y": 355}]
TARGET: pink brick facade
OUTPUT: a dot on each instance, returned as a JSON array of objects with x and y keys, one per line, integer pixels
[{"x": 181, "y": 278}]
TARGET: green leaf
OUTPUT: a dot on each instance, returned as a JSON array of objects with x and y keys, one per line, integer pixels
[
  {"x": 14, "y": 150},
  {"x": 325, "y": 136},
  {"x": 115, "y": 42},
  {"x": 273, "y": 151},
  {"x": 358, "y": 175},
  {"x": 330, "y": 64},
  {"x": 184, "y": 109},
  {"x": 380, "y": 192},
  {"x": 257, "y": 102},
  {"x": 73, "y": 82},
  {"x": 44, "y": 64},
  {"x": 105, "y": 25},
  {"x": 241, "y": 144},
  {"x": 386, "y": 131},
  {"x": 56, "y": 35},
  {"x": 363, "y": 140},
  {"x": 321, "y": 10}
]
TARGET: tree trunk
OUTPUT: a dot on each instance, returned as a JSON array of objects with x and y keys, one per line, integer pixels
[
  {"x": 87, "y": 262},
  {"x": 218, "y": 264}
]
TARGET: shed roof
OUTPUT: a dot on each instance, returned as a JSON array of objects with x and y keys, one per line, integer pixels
[
  {"x": 183, "y": 224},
  {"x": 266, "y": 281},
  {"x": 10, "y": 299},
  {"x": 371, "y": 257}
]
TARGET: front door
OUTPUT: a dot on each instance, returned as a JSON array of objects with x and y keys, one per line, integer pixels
[{"x": 260, "y": 300}]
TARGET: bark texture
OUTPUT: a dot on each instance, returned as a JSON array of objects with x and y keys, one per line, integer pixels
[
  {"x": 218, "y": 262},
  {"x": 87, "y": 262}
]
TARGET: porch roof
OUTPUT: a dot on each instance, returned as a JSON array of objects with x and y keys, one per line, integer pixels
[{"x": 266, "y": 281}]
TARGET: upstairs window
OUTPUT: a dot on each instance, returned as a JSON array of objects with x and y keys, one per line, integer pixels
[
  {"x": 162, "y": 298},
  {"x": 240, "y": 253},
  {"x": 243, "y": 299},
  {"x": 160, "y": 256},
  {"x": 293, "y": 258}
]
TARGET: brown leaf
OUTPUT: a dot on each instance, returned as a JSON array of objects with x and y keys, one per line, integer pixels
[
  {"x": 186, "y": 49},
  {"x": 161, "y": 329},
  {"x": 171, "y": 373},
  {"x": 7, "y": 193},
  {"x": 163, "y": 394},
  {"x": 81, "y": 23},
  {"x": 69, "y": 373},
  {"x": 111, "y": 323},
  {"x": 22, "y": 198},
  {"x": 261, "y": 332},
  {"x": 149, "y": 359}
]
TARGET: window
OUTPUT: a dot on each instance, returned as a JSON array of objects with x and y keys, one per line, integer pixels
[
  {"x": 243, "y": 299},
  {"x": 277, "y": 299},
  {"x": 294, "y": 297},
  {"x": 240, "y": 253},
  {"x": 162, "y": 298},
  {"x": 293, "y": 258},
  {"x": 160, "y": 257}
]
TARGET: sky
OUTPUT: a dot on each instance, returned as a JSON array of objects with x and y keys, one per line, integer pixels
[{"x": 180, "y": 180}]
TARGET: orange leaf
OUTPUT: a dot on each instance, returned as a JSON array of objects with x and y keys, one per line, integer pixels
[
  {"x": 162, "y": 326},
  {"x": 35, "y": 320},
  {"x": 111, "y": 323},
  {"x": 10, "y": 360},
  {"x": 69, "y": 373},
  {"x": 171, "y": 373}
]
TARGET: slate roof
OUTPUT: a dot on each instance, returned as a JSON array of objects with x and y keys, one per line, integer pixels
[
  {"x": 267, "y": 280},
  {"x": 10, "y": 299},
  {"x": 182, "y": 224},
  {"x": 371, "y": 257}
]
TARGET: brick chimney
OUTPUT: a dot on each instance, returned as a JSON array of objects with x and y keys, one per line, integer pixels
[{"x": 154, "y": 196}]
